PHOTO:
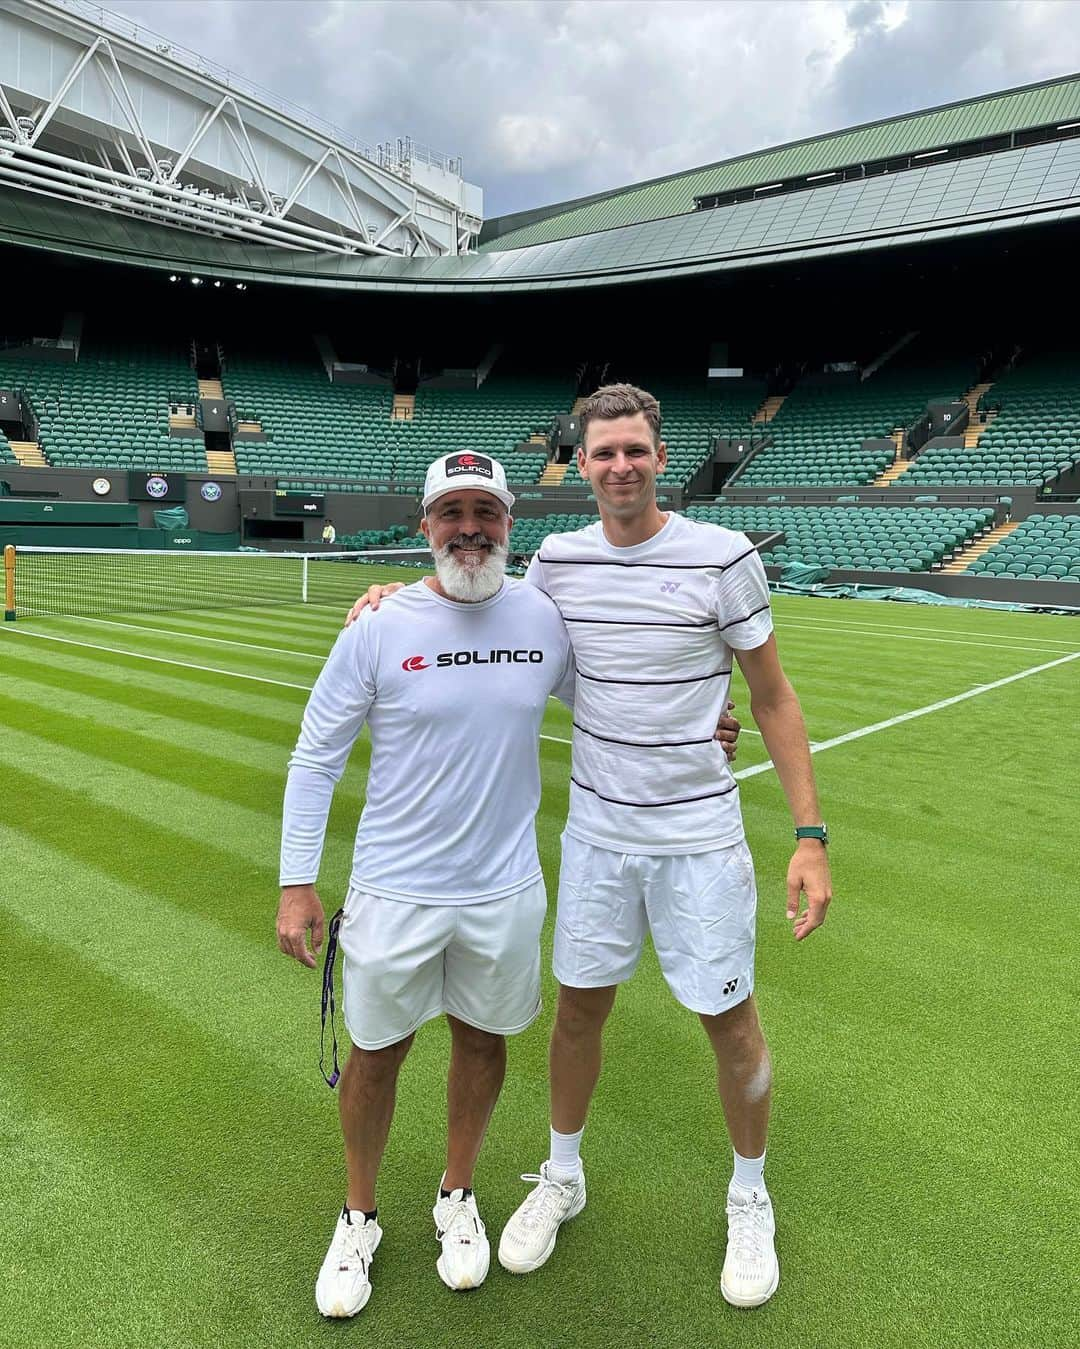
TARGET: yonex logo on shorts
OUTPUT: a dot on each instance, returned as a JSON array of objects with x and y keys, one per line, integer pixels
[
  {"x": 476, "y": 464},
  {"x": 730, "y": 987},
  {"x": 670, "y": 587}
]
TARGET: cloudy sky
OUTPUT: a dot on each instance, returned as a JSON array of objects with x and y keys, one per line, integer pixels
[{"x": 551, "y": 99}]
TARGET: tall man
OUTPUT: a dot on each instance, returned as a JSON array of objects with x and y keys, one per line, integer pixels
[
  {"x": 446, "y": 900},
  {"x": 657, "y": 606}
]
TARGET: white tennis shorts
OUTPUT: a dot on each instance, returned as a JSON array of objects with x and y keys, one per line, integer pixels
[
  {"x": 405, "y": 963},
  {"x": 700, "y": 909}
]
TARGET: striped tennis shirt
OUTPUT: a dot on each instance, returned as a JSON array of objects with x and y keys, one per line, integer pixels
[{"x": 653, "y": 627}]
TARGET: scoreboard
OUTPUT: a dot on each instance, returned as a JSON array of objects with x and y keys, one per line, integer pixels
[{"x": 300, "y": 503}]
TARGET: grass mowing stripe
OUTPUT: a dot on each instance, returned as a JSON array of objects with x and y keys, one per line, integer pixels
[
  {"x": 200, "y": 637},
  {"x": 161, "y": 660},
  {"x": 795, "y": 625},
  {"x": 867, "y": 625},
  {"x": 224, "y": 704},
  {"x": 918, "y": 712}
]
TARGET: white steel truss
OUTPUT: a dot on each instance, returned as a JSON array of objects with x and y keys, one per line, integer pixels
[{"x": 327, "y": 196}]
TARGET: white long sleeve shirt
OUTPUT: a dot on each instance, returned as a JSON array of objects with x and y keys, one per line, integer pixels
[
  {"x": 653, "y": 627},
  {"x": 454, "y": 696}
]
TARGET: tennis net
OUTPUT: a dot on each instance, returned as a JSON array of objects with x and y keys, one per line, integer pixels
[{"x": 88, "y": 581}]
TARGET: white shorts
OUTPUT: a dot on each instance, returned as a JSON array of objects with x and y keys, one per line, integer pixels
[
  {"x": 405, "y": 963},
  {"x": 699, "y": 907}
]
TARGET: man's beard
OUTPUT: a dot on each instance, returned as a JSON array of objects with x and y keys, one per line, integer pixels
[{"x": 471, "y": 582}]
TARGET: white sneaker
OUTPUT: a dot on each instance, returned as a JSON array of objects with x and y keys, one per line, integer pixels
[
  {"x": 466, "y": 1251},
  {"x": 751, "y": 1271},
  {"x": 529, "y": 1237},
  {"x": 344, "y": 1283}
]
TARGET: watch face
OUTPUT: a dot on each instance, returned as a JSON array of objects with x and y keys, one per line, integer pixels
[{"x": 101, "y": 487}]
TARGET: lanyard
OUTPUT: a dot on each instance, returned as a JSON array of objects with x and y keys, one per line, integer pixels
[{"x": 328, "y": 1002}]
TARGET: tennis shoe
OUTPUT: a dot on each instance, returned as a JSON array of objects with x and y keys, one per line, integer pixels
[
  {"x": 751, "y": 1271},
  {"x": 466, "y": 1251},
  {"x": 344, "y": 1283},
  {"x": 529, "y": 1237}
]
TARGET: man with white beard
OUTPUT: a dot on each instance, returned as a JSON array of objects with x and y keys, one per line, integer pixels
[{"x": 446, "y": 899}]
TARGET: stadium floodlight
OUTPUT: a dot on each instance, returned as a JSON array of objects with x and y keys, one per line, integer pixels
[
  {"x": 217, "y": 285},
  {"x": 173, "y": 276},
  {"x": 240, "y": 285},
  {"x": 196, "y": 280}
]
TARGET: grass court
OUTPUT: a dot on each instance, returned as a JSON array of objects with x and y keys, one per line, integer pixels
[{"x": 172, "y": 1162}]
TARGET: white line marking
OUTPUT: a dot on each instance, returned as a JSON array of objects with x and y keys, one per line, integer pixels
[
  {"x": 198, "y": 637},
  {"x": 188, "y": 665},
  {"x": 158, "y": 660},
  {"x": 812, "y": 625},
  {"x": 917, "y": 712},
  {"x": 909, "y": 627}
]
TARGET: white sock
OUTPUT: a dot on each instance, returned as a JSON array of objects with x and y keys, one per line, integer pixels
[
  {"x": 749, "y": 1172},
  {"x": 565, "y": 1160}
]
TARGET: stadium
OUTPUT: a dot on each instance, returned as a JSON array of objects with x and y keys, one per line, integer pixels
[{"x": 233, "y": 338}]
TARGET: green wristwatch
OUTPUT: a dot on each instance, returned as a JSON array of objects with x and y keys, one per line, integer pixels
[{"x": 818, "y": 831}]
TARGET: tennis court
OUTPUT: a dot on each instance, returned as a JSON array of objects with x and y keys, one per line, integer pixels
[{"x": 173, "y": 1155}]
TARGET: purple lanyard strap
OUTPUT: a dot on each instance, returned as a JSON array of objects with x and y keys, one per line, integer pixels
[{"x": 328, "y": 1002}]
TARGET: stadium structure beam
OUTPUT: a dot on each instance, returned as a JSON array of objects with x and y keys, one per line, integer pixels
[
  {"x": 73, "y": 74},
  {"x": 309, "y": 176}
]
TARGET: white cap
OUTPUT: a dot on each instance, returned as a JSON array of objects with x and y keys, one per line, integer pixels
[{"x": 456, "y": 472}]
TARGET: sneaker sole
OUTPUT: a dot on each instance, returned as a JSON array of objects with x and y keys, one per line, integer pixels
[
  {"x": 733, "y": 1300},
  {"x": 440, "y": 1265},
  {"x": 527, "y": 1266}
]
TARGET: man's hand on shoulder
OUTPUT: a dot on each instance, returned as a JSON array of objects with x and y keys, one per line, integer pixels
[
  {"x": 808, "y": 874},
  {"x": 371, "y": 599},
  {"x": 299, "y": 910}
]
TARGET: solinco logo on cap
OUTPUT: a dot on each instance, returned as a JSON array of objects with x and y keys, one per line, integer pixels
[{"x": 476, "y": 464}]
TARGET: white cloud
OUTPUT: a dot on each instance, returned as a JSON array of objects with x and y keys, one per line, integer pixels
[{"x": 550, "y": 99}]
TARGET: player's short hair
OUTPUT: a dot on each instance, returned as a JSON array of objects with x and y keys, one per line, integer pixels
[{"x": 620, "y": 400}]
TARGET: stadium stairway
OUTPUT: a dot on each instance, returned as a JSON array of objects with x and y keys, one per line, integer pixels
[
  {"x": 982, "y": 545},
  {"x": 28, "y": 453},
  {"x": 553, "y": 475},
  {"x": 403, "y": 408},
  {"x": 182, "y": 421},
  {"x": 768, "y": 410},
  {"x": 222, "y": 463},
  {"x": 211, "y": 388},
  {"x": 975, "y": 428}
]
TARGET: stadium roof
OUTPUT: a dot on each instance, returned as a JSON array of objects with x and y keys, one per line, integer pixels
[
  {"x": 1046, "y": 104},
  {"x": 1018, "y": 188}
]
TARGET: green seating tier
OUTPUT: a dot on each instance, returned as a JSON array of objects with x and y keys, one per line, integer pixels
[
  {"x": 818, "y": 432},
  {"x": 1034, "y": 438},
  {"x": 397, "y": 536},
  {"x": 313, "y": 427},
  {"x": 1041, "y": 548},
  {"x": 110, "y": 409},
  {"x": 528, "y": 535},
  {"x": 861, "y": 538},
  {"x": 6, "y": 456}
]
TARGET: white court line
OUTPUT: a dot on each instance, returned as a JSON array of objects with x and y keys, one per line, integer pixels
[
  {"x": 158, "y": 660},
  {"x": 909, "y": 627},
  {"x": 811, "y": 625},
  {"x": 188, "y": 665},
  {"x": 917, "y": 712},
  {"x": 196, "y": 637},
  {"x": 743, "y": 773}
]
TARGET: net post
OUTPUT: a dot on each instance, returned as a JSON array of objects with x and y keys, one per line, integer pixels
[
  {"x": 9, "y": 583},
  {"x": 304, "y": 578}
]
